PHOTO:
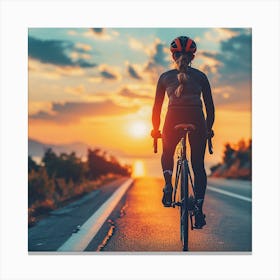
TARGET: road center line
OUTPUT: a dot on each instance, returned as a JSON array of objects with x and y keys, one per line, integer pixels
[
  {"x": 78, "y": 242},
  {"x": 229, "y": 193}
]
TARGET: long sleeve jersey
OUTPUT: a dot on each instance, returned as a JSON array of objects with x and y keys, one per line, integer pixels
[{"x": 197, "y": 85}]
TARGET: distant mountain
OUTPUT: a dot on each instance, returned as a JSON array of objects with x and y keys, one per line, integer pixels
[{"x": 37, "y": 149}]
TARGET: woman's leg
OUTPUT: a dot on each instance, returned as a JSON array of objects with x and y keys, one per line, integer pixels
[
  {"x": 167, "y": 161},
  {"x": 198, "y": 145},
  {"x": 167, "y": 158}
]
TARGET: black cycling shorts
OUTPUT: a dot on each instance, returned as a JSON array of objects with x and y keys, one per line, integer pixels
[{"x": 177, "y": 115}]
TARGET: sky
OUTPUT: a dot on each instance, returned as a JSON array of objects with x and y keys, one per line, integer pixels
[{"x": 97, "y": 86}]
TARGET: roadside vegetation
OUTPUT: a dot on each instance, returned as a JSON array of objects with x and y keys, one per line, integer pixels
[
  {"x": 60, "y": 179},
  {"x": 236, "y": 162}
]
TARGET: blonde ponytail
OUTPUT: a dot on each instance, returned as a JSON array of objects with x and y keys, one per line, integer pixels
[
  {"x": 182, "y": 78},
  {"x": 182, "y": 66}
]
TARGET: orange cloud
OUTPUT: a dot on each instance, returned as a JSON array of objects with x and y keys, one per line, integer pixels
[
  {"x": 130, "y": 94},
  {"x": 234, "y": 97},
  {"x": 70, "y": 112},
  {"x": 78, "y": 90}
]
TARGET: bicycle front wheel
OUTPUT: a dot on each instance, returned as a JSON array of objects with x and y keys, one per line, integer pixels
[{"x": 184, "y": 207}]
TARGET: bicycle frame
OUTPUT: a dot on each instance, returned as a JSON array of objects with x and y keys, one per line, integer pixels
[
  {"x": 186, "y": 203},
  {"x": 181, "y": 160}
]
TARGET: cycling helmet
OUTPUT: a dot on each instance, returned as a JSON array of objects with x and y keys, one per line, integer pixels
[{"x": 182, "y": 44}]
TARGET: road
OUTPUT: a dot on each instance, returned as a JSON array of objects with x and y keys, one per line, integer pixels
[
  {"x": 147, "y": 226},
  {"x": 139, "y": 223},
  {"x": 52, "y": 232}
]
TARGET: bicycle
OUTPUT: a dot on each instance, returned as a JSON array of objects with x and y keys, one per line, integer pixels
[{"x": 186, "y": 198}]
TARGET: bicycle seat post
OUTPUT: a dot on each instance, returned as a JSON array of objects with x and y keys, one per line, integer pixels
[
  {"x": 186, "y": 128},
  {"x": 184, "y": 145}
]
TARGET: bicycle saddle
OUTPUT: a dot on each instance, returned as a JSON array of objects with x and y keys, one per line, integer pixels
[{"x": 185, "y": 126}]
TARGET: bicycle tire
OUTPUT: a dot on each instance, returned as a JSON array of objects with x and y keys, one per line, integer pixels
[{"x": 184, "y": 217}]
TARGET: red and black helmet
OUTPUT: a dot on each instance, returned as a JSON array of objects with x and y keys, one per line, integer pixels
[{"x": 182, "y": 44}]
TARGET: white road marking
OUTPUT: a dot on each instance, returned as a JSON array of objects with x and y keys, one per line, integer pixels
[
  {"x": 80, "y": 240},
  {"x": 218, "y": 190}
]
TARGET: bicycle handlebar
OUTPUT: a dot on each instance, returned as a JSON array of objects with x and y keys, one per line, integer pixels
[
  {"x": 210, "y": 146},
  {"x": 155, "y": 134},
  {"x": 155, "y": 145}
]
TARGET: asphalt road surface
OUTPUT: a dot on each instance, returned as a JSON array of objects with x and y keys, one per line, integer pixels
[
  {"x": 139, "y": 223},
  {"x": 147, "y": 226}
]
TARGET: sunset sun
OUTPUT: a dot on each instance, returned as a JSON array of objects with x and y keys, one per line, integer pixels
[{"x": 138, "y": 129}]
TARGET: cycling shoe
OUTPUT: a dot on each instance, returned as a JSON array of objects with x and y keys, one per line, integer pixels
[
  {"x": 198, "y": 214},
  {"x": 199, "y": 219},
  {"x": 167, "y": 196}
]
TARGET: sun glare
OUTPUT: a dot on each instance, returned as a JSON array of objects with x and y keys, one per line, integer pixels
[
  {"x": 138, "y": 129},
  {"x": 138, "y": 169}
]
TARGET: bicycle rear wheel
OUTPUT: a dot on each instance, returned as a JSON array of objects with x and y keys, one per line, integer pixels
[{"x": 184, "y": 194}]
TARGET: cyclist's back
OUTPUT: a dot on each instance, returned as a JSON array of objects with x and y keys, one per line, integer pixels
[
  {"x": 184, "y": 87},
  {"x": 190, "y": 98}
]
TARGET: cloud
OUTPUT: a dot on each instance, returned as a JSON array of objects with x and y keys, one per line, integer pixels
[
  {"x": 56, "y": 52},
  {"x": 133, "y": 73},
  {"x": 84, "y": 64},
  {"x": 101, "y": 33},
  {"x": 229, "y": 70},
  {"x": 159, "y": 57},
  {"x": 234, "y": 31},
  {"x": 128, "y": 93},
  {"x": 98, "y": 30},
  {"x": 211, "y": 65},
  {"x": 83, "y": 47},
  {"x": 233, "y": 97},
  {"x": 108, "y": 72},
  {"x": 236, "y": 58},
  {"x": 78, "y": 90},
  {"x": 233, "y": 63},
  {"x": 136, "y": 44},
  {"x": 208, "y": 54},
  {"x": 70, "y": 112},
  {"x": 108, "y": 75},
  {"x": 158, "y": 61},
  {"x": 52, "y": 71},
  {"x": 216, "y": 35}
]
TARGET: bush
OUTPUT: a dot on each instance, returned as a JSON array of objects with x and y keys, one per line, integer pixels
[
  {"x": 40, "y": 186},
  {"x": 237, "y": 162},
  {"x": 65, "y": 177},
  {"x": 100, "y": 164},
  {"x": 32, "y": 165}
]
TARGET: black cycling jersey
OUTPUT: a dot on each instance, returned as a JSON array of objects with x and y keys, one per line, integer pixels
[
  {"x": 196, "y": 85},
  {"x": 187, "y": 108}
]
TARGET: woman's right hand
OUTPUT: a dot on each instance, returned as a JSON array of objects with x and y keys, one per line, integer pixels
[
  {"x": 210, "y": 133},
  {"x": 156, "y": 133}
]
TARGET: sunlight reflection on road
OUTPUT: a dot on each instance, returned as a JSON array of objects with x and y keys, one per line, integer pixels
[{"x": 139, "y": 169}]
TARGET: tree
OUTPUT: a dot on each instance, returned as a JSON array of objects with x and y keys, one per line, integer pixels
[
  {"x": 228, "y": 154},
  {"x": 99, "y": 163},
  {"x": 50, "y": 161},
  {"x": 32, "y": 165},
  {"x": 40, "y": 187},
  {"x": 68, "y": 167}
]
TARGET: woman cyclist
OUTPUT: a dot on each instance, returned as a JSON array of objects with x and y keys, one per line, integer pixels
[{"x": 184, "y": 86}]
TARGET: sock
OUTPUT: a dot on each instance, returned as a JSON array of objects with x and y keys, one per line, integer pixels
[
  {"x": 199, "y": 203},
  {"x": 167, "y": 177}
]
